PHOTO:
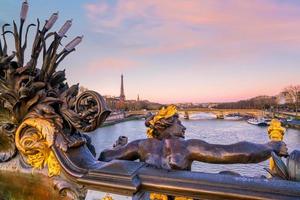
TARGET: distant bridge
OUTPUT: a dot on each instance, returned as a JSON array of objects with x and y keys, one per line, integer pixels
[
  {"x": 217, "y": 112},
  {"x": 282, "y": 114}
]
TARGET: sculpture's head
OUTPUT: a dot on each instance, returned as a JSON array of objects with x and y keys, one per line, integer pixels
[{"x": 165, "y": 124}]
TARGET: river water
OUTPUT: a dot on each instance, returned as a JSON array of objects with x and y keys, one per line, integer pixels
[{"x": 210, "y": 130}]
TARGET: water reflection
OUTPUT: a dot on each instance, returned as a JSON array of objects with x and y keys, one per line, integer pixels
[
  {"x": 212, "y": 131},
  {"x": 197, "y": 116}
]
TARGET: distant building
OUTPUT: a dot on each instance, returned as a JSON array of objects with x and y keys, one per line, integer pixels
[
  {"x": 121, "y": 104},
  {"x": 212, "y": 105},
  {"x": 117, "y": 103}
]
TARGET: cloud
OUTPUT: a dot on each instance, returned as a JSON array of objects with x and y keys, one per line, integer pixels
[
  {"x": 214, "y": 29},
  {"x": 111, "y": 63}
]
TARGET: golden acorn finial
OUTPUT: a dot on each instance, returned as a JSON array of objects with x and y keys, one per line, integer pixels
[{"x": 275, "y": 130}]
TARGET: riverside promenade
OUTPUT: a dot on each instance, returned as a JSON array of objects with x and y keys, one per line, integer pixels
[
  {"x": 249, "y": 112},
  {"x": 118, "y": 117}
]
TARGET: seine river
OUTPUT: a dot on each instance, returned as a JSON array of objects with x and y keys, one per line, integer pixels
[{"x": 210, "y": 130}]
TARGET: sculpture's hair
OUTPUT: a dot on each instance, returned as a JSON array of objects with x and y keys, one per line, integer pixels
[{"x": 162, "y": 120}]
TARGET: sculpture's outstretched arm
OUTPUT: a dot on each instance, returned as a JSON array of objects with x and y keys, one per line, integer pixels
[
  {"x": 126, "y": 152},
  {"x": 241, "y": 152}
]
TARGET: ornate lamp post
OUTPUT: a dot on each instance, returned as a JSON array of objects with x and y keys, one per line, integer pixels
[{"x": 276, "y": 133}]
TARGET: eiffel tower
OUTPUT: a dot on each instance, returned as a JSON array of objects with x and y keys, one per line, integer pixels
[{"x": 122, "y": 95}]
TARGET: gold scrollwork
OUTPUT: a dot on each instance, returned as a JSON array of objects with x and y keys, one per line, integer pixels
[{"x": 34, "y": 138}]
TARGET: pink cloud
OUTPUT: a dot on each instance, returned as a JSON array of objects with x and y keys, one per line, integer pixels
[
  {"x": 95, "y": 9},
  {"x": 231, "y": 28},
  {"x": 111, "y": 63}
]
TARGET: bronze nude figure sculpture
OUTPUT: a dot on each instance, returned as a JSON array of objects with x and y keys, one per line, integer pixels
[{"x": 166, "y": 147}]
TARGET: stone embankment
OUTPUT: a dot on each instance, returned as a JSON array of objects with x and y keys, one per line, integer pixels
[{"x": 121, "y": 117}]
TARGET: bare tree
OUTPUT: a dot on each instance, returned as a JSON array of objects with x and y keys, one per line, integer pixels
[{"x": 292, "y": 94}]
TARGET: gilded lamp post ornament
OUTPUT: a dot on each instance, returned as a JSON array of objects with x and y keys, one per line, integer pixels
[
  {"x": 276, "y": 133},
  {"x": 277, "y": 168}
]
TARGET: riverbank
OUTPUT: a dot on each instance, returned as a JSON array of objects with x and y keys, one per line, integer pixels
[
  {"x": 295, "y": 124},
  {"x": 116, "y": 121}
]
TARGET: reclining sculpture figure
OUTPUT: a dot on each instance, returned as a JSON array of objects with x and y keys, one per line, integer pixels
[{"x": 166, "y": 148}]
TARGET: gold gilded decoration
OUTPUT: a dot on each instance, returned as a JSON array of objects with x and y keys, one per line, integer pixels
[
  {"x": 150, "y": 133},
  {"x": 53, "y": 165},
  {"x": 163, "y": 113},
  {"x": 34, "y": 137},
  {"x": 276, "y": 133},
  {"x": 107, "y": 197},
  {"x": 155, "y": 196},
  {"x": 183, "y": 198}
]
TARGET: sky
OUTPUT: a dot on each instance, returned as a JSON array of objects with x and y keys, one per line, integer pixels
[{"x": 174, "y": 51}]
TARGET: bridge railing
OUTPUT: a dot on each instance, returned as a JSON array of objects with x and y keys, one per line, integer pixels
[{"x": 137, "y": 179}]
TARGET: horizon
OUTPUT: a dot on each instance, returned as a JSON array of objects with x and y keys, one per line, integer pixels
[
  {"x": 177, "y": 51},
  {"x": 209, "y": 102}
]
